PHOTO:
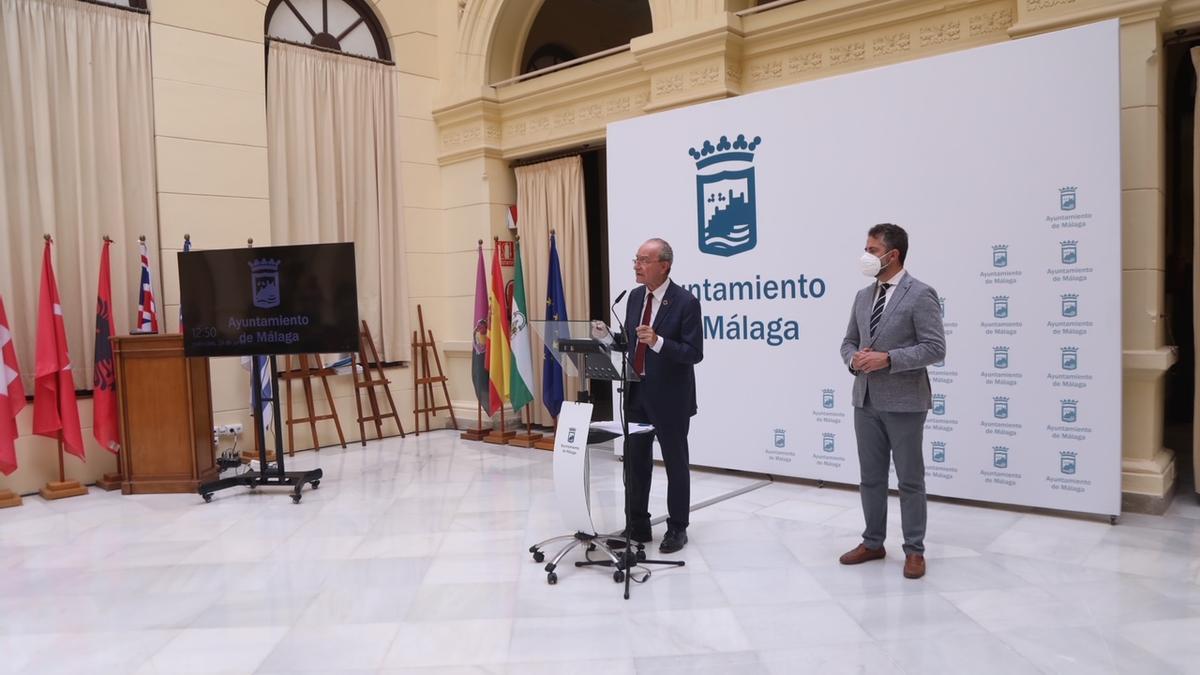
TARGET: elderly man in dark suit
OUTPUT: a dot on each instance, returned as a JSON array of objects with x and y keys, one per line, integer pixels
[
  {"x": 895, "y": 333},
  {"x": 663, "y": 325}
]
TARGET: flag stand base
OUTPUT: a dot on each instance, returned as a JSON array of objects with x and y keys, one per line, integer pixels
[
  {"x": 60, "y": 489},
  {"x": 474, "y": 434},
  {"x": 8, "y": 499},
  {"x": 500, "y": 433},
  {"x": 524, "y": 440},
  {"x": 499, "y": 437},
  {"x": 547, "y": 441},
  {"x": 110, "y": 481}
]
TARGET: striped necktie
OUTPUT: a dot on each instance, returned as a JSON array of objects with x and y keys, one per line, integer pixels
[{"x": 877, "y": 311}]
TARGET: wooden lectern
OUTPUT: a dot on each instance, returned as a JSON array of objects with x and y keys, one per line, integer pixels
[{"x": 166, "y": 415}]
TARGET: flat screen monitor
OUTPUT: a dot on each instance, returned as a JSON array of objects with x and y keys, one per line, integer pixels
[{"x": 271, "y": 300}]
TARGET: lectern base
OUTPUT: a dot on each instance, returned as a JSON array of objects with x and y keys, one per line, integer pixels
[
  {"x": 8, "y": 498},
  {"x": 63, "y": 489}
]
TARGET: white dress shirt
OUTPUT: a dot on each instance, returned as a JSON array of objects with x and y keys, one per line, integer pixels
[{"x": 891, "y": 290}]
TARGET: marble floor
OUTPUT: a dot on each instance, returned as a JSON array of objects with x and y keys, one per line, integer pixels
[{"x": 412, "y": 558}]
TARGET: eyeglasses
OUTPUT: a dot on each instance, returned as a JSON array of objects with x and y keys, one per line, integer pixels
[{"x": 643, "y": 260}]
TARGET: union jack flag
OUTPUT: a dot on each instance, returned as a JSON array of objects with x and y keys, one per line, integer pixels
[{"x": 147, "y": 316}]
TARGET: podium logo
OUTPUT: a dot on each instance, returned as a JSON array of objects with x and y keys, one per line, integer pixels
[
  {"x": 939, "y": 404},
  {"x": 1066, "y": 462},
  {"x": 1066, "y": 198},
  {"x": 1070, "y": 358},
  {"x": 1070, "y": 251},
  {"x": 827, "y": 399},
  {"x": 571, "y": 435},
  {"x": 725, "y": 206},
  {"x": 1000, "y": 255},
  {"x": 1069, "y": 412},
  {"x": 827, "y": 444},
  {"x": 942, "y": 305},
  {"x": 1000, "y": 306},
  {"x": 1000, "y": 357},
  {"x": 264, "y": 280},
  {"x": 1000, "y": 457},
  {"x": 939, "y": 451},
  {"x": 940, "y": 364},
  {"x": 1000, "y": 407},
  {"x": 781, "y": 438},
  {"x": 1070, "y": 305}
]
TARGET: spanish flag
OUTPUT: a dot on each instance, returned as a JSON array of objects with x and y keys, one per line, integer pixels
[{"x": 499, "y": 355}]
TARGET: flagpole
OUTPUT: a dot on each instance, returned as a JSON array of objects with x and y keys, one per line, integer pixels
[
  {"x": 478, "y": 433},
  {"x": 499, "y": 435},
  {"x": 62, "y": 488},
  {"x": 110, "y": 481},
  {"x": 527, "y": 439}
]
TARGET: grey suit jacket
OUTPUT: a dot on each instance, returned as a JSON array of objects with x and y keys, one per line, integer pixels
[{"x": 910, "y": 331}]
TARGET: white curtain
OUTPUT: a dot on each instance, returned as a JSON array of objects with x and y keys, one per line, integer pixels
[
  {"x": 550, "y": 197},
  {"x": 76, "y": 162},
  {"x": 334, "y": 172}
]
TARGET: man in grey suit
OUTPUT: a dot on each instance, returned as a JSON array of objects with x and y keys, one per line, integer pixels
[{"x": 895, "y": 332}]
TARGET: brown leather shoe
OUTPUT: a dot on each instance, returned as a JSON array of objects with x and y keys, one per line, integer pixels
[
  {"x": 914, "y": 566},
  {"x": 861, "y": 554}
]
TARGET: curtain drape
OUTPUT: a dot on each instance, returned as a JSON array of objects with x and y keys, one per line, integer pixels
[
  {"x": 334, "y": 165},
  {"x": 76, "y": 162},
  {"x": 550, "y": 196}
]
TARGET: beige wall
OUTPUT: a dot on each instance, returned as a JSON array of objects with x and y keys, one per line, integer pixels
[{"x": 210, "y": 136}]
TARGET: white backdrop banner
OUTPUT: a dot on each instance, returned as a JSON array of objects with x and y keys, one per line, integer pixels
[{"x": 1002, "y": 163}]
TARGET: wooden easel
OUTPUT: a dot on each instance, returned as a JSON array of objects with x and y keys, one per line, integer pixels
[
  {"x": 370, "y": 382},
  {"x": 305, "y": 373},
  {"x": 424, "y": 379}
]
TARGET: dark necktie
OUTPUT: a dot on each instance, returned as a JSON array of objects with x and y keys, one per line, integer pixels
[
  {"x": 877, "y": 311},
  {"x": 639, "y": 355}
]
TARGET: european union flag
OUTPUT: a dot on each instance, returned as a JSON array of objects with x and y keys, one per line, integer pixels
[{"x": 556, "y": 310}]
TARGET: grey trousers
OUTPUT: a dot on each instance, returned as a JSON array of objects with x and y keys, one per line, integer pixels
[{"x": 898, "y": 434}]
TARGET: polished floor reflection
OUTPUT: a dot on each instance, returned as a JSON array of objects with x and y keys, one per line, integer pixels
[{"x": 412, "y": 558}]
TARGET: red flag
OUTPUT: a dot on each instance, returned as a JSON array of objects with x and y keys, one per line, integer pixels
[
  {"x": 12, "y": 396},
  {"x": 55, "y": 413},
  {"x": 106, "y": 426}
]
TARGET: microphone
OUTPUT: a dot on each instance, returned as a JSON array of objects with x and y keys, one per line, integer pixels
[{"x": 614, "y": 310}]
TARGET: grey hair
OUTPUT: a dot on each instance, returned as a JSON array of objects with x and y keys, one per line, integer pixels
[{"x": 665, "y": 252}]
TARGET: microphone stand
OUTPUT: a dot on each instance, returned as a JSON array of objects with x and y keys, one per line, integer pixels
[{"x": 629, "y": 557}]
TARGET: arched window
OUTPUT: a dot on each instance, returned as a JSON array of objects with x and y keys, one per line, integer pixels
[
  {"x": 348, "y": 26},
  {"x": 569, "y": 29},
  {"x": 128, "y": 4}
]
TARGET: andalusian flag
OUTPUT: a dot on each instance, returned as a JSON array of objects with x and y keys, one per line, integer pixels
[
  {"x": 522, "y": 353},
  {"x": 499, "y": 356}
]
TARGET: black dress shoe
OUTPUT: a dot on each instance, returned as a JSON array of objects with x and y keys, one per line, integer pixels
[
  {"x": 673, "y": 540},
  {"x": 635, "y": 535}
]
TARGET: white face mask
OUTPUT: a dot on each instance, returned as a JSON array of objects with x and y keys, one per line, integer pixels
[{"x": 870, "y": 265}]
